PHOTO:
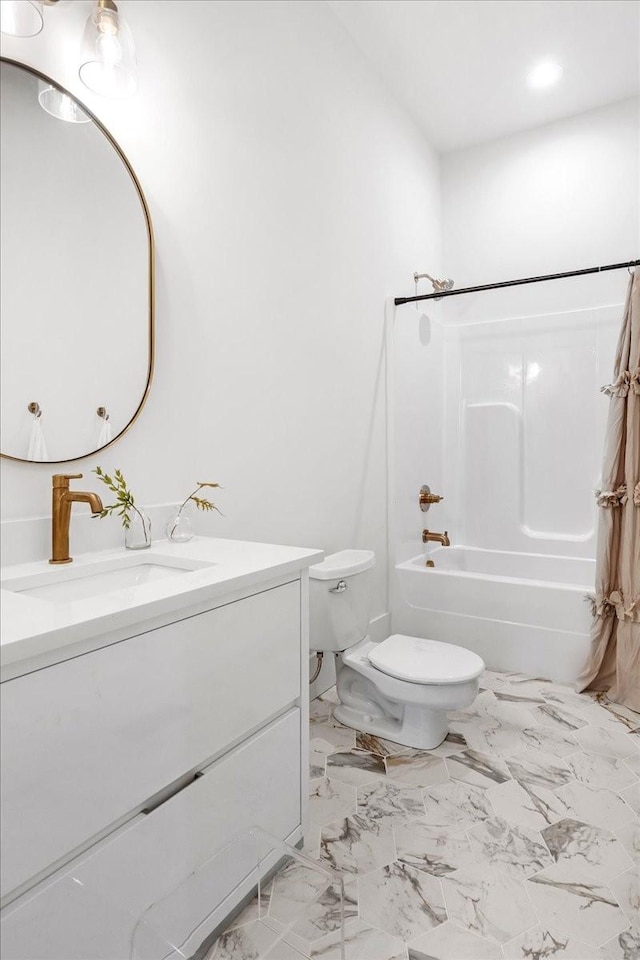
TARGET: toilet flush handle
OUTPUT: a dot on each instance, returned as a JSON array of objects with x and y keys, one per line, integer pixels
[{"x": 340, "y": 587}]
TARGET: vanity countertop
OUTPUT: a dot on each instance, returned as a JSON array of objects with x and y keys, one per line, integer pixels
[{"x": 36, "y": 632}]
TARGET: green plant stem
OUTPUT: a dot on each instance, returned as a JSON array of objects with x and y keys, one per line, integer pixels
[
  {"x": 192, "y": 494},
  {"x": 142, "y": 521},
  {"x": 124, "y": 499},
  {"x": 181, "y": 508},
  {"x": 175, "y": 522}
]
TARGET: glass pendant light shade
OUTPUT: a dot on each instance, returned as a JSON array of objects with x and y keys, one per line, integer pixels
[
  {"x": 59, "y": 104},
  {"x": 108, "y": 56},
  {"x": 21, "y": 18}
]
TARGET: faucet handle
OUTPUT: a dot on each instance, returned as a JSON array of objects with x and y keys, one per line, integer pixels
[
  {"x": 426, "y": 498},
  {"x": 62, "y": 479}
]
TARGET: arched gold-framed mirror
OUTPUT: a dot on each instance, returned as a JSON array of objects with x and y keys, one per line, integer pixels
[{"x": 77, "y": 267}]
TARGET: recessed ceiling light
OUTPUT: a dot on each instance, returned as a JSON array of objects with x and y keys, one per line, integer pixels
[{"x": 543, "y": 75}]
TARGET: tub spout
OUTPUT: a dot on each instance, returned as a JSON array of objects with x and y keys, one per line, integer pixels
[{"x": 429, "y": 537}]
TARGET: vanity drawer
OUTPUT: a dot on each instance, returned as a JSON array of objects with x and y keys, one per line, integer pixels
[
  {"x": 87, "y": 741},
  {"x": 89, "y": 910}
]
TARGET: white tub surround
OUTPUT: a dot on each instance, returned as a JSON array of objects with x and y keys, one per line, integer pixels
[
  {"x": 526, "y": 612},
  {"x": 495, "y": 397},
  {"x": 145, "y": 725},
  {"x": 505, "y": 564}
]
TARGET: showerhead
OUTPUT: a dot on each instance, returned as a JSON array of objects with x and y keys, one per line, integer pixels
[{"x": 439, "y": 286}]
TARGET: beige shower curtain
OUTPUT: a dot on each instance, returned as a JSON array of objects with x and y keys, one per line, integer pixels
[{"x": 614, "y": 661}]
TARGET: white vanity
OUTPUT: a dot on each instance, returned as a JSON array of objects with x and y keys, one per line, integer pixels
[{"x": 154, "y": 706}]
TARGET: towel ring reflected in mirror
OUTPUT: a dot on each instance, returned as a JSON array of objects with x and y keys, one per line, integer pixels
[{"x": 83, "y": 333}]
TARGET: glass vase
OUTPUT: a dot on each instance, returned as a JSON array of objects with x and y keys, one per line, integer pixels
[
  {"x": 180, "y": 528},
  {"x": 138, "y": 534}
]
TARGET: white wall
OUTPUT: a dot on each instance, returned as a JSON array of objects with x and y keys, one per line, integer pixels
[
  {"x": 500, "y": 410},
  {"x": 560, "y": 197},
  {"x": 290, "y": 195}
]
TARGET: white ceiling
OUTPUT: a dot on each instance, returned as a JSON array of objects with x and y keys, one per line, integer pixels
[{"x": 460, "y": 66}]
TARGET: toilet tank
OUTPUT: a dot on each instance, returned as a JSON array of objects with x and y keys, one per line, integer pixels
[{"x": 340, "y": 599}]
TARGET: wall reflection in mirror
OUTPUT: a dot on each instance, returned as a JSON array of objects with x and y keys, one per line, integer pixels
[{"x": 76, "y": 248}]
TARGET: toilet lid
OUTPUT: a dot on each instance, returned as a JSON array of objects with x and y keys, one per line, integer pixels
[{"x": 425, "y": 661}]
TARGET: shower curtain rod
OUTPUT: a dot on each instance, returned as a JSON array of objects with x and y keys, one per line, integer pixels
[{"x": 516, "y": 283}]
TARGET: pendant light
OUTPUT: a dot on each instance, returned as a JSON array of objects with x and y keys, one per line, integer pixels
[
  {"x": 108, "y": 53},
  {"x": 59, "y": 104},
  {"x": 22, "y": 18}
]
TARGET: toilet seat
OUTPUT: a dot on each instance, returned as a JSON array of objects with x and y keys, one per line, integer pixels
[{"x": 417, "y": 660}]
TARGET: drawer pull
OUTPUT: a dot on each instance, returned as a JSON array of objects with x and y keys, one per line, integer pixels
[{"x": 170, "y": 792}]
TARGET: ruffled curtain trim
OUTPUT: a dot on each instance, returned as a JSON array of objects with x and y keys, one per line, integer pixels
[
  {"x": 614, "y": 498},
  {"x": 620, "y": 386},
  {"x": 636, "y": 494},
  {"x": 615, "y": 604},
  {"x": 635, "y": 381}
]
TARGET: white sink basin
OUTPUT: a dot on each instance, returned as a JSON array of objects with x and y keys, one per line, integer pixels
[{"x": 64, "y": 584}]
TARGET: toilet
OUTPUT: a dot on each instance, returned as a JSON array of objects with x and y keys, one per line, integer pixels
[{"x": 400, "y": 689}]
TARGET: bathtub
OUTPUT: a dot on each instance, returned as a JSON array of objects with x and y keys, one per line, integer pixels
[{"x": 519, "y": 611}]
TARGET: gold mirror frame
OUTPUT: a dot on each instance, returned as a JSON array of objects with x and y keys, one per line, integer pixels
[{"x": 147, "y": 216}]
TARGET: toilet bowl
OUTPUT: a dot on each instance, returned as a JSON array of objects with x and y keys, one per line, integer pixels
[{"x": 400, "y": 689}]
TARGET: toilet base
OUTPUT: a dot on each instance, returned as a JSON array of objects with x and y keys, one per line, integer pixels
[
  {"x": 418, "y": 727},
  {"x": 413, "y": 714}
]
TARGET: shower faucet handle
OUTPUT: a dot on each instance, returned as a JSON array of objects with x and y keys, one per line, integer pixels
[{"x": 426, "y": 498}]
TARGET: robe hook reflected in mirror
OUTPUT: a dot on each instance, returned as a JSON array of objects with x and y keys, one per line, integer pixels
[
  {"x": 35, "y": 409},
  {"x": 102, "y": 412}
]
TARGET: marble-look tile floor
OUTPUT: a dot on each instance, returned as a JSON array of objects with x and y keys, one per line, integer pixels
[{"x": 518, "y": 837}]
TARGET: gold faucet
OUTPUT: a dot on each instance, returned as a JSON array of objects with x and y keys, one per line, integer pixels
[
  {"x": 61, "y": 501},
  {"x": 429, "y": 537}
]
